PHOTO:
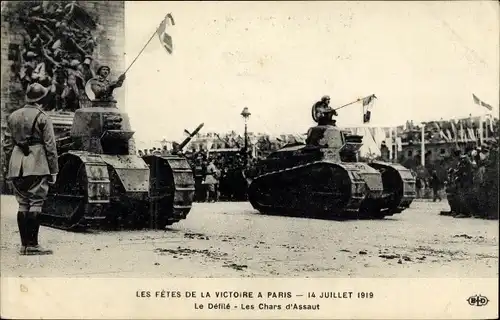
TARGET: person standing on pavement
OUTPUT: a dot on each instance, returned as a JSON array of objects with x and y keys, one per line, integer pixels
[
  {"x": 436, "y": 186},
  {"x": 30, "y": 147},
  {"x": 212, "y": 182},
  {"x": 418, "y": 186}
]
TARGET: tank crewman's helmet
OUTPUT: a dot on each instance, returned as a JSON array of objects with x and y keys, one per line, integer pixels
[
  {"x": 36, "y": 92},
  {"x": 103, "y": 67}
]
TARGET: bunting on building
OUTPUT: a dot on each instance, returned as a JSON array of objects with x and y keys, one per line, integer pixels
[
  {"x": 481, "y": 103},
  {"x": 454, "y": 130}
]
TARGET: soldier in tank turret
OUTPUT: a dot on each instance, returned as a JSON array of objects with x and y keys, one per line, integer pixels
[
  {"x": 322, "y": 112},
  {"x": 102, "y": 87}
]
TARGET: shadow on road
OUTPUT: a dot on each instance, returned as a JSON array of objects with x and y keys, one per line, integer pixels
[{"x": 338, "y": 218}]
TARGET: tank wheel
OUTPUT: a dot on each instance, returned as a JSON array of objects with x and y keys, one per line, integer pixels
[{"x": 67, "y": 200}]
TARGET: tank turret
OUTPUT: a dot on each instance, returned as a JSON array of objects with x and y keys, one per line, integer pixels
[
  {"x": 102, "y": 129},
  {"x": 324, "y": 177}
]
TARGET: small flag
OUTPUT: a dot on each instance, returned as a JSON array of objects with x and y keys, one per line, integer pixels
[
  {"x": 479, "y": 102},
  {"x": 367, "y": 105},
  {"x": 165, "y": 38},
  {"x": 487, "y": 106}
]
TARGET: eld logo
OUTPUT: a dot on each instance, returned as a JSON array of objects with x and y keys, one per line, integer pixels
[{"x": 478, "y": 301}]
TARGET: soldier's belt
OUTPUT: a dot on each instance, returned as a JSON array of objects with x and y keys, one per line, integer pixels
[{"x": 25, "y": 147}]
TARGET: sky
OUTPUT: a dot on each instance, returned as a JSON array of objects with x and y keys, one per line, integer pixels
[{"x": 423, "y": 61}]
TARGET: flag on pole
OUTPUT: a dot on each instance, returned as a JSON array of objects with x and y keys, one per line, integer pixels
[
  {"x": 479, "y": 102},
  {"x": 367, "y": 105},
  {"x": 165, "y": 38}
]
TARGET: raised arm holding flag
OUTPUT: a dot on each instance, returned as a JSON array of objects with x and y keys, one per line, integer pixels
[{"x": 322, "y": 112}]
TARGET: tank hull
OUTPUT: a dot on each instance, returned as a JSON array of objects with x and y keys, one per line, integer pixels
[
  {"x": 336, "y": 190},
  {"x": 118, "y": 192}
]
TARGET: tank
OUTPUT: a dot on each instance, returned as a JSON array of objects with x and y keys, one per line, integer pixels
[
  {"x": 323, "y": 178},
  {"x": 102, "y": 183}
]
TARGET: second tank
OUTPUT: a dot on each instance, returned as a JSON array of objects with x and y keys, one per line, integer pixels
[{"x": 323, "y": 178}]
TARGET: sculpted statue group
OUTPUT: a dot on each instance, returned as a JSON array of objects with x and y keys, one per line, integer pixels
[{"x": 57, "y": 53}]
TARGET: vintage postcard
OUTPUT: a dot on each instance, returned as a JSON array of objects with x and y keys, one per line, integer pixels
[{"x": 249, "y": 160}]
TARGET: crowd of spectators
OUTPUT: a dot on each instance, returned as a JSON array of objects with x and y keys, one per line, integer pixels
[{"x": 473, "y": 182}]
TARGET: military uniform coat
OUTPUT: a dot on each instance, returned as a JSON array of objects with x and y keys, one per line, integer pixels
[{"x": 42, "y": 159}]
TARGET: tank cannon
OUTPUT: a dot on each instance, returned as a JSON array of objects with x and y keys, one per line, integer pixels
[
  {"x": 179, "y": 147},
  {"x": 324, "y": 178},
  {"x": 103, "y": 183}
]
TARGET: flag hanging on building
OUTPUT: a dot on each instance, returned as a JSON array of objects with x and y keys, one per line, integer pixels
[
  {"x": 454, "y": 129},
  {"x": 367, "y": 105},
  {"x": 462, "y": 130},
  {"x": 479, "y": 102},
  {"x": 489, "y": 123},
  {"x": 449, "y": 135},
  {"x": 165, "y": 38}
]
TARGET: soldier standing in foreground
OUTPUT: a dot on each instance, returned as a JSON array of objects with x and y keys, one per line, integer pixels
[{"x": 30, "y": 146}]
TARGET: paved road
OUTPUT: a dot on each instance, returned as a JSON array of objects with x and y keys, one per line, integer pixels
[{"x": 233, "y": 240}]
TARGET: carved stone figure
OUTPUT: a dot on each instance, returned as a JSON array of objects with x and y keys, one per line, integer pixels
[{"x": 58, "y": 36}]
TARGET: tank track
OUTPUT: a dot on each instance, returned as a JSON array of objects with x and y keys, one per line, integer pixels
[
  {"x": 399, "y": 185},
  {"x": 92, "y": 193},
  {"x": 334, "y": 190},
  {"x": 177, "y": 197}
]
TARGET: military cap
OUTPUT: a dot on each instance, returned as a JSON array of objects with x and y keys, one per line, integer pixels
[{"x": 324, "y": 98}]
